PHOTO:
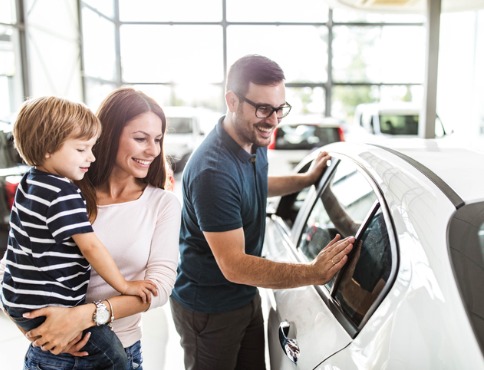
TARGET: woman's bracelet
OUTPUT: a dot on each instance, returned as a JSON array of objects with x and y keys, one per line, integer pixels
[{"x": 112, "y": 312}]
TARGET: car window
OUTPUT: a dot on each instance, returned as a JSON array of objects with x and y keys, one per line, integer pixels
[
  {"x": 339, "y": 209},
  {"x": 348, "y": 205},
  {"x": 406, "y": 124},
  {"x": 9, "y": 157},
  {"x": 399, "y": 124},
  {"x": 290, "y": 205},
  {"x": 304, "y": 136},
  {"x": 179, "y": 125},
  {"x": 366, "y": 273}
]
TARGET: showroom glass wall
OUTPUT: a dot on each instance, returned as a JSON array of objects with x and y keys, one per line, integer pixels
[
  {"x": 179, "y": 52},
  {"x": 39, "y": 52}
]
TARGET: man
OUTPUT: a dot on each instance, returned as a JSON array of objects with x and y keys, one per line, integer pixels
[{"x": 215, "y": 303}]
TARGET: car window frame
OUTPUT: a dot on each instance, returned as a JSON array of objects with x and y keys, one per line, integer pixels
[
  {"x": 294, "y": 234},
  {"x": 328, "y": 296}
]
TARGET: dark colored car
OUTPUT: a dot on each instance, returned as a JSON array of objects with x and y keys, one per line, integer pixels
[
  {"x": 11, "y": 171},
  {"x": 296, "y": 136}
]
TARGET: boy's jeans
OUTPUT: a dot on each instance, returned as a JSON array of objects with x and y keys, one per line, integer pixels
[{"x": 104, "y": 348}]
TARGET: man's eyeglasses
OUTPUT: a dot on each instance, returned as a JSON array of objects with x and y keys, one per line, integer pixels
[{"x": 266, "y": 110}]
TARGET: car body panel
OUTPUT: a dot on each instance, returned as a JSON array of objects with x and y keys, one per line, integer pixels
[
  {"x": 306, "y": 324},
  {"x": 396, "y": 336}
]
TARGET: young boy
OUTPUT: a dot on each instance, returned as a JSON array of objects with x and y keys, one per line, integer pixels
[{"x": 51, "y": 244}]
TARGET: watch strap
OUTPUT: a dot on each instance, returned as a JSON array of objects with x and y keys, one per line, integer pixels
[{"x": 112, "y": 312}]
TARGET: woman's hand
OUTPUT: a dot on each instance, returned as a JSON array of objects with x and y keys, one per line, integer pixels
[
  {"x": 59, "y": 331},
  {"x": 77, "y": 344}
]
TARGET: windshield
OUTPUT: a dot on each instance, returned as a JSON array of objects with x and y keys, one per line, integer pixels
[{"x": 466, "y": 245}]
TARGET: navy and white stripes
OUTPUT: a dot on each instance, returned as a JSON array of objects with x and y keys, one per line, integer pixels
[{"x": 44, "y": 266}]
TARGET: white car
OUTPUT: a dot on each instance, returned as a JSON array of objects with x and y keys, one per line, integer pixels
[
  {"x": 296, "y": 136},
  {"x": 411, "y": 295},
  {"x": 392, "y": 120},
  {"x": 183, "y": 134}
]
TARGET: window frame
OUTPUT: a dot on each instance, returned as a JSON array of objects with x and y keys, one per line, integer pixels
[{"x": 294, "y": 234}]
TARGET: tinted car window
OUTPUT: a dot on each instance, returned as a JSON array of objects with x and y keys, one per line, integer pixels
[
  {"x": 9, "y": 157},
  {"x": 290, "y": 205},
  {"x": 399, "y": 124},
  {"x": 466, "y": 244},
  {"x": 304, "y": 136},
  {"x": 340, "y": 209},
  {"x": 179, "y": 125},
  {"x": 347, "y": 205},
  {"x": 367, "y": 272},
  {"x": 405, "y": 124}
]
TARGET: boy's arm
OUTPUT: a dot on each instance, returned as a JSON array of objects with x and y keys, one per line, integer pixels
[{"x": 98, "y": 256}]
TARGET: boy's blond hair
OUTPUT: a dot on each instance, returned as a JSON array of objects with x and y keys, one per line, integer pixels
[{"x": 43, "y": 124}]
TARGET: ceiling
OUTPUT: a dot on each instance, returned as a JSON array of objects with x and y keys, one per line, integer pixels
[{"x": 405, "y": 6}]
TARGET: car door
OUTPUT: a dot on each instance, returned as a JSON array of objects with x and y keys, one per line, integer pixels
[{"x": 323, "y": 320}]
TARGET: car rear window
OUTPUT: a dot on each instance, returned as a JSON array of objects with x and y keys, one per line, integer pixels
[
  {"x": 9, "y": 157},
  {"x": 305, "y": 136},
  {"x": 466, "y": 247},
  {"x": 179, "y": 125},
  {"x": 395, "y": 124}
]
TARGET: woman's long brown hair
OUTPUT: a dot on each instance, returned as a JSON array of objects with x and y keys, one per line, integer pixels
[{"x": 117, "y": 109}]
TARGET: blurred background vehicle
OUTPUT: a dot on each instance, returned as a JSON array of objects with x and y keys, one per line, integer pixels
[
  {"x": 416, "y": 269},
  {"x": 296, "y": 136},
  {"x": 183, "y": 135},
  {"x": 395, "y": 119},
  {"x": 11, "y": 171}
]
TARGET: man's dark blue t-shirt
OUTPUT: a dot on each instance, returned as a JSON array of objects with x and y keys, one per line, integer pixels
[{"x": 224, "y": 188}]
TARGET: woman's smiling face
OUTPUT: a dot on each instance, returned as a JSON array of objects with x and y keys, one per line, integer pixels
[{"x": 139, "y": 144}]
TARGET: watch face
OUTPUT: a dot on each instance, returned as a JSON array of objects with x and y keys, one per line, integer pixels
[{"x": 102, "y": 315}]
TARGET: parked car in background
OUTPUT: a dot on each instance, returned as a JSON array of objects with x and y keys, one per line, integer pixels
[
  {"x": 410, "y": 295},
  {"x": 183, "y": 134},
  {"x": 296, "y": 136},
  {"x": 11, "y": 171},
  {"x": 395, "y": 119}
]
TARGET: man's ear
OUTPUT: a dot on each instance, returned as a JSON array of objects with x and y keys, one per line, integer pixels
[{"x": 232, "y": 101}]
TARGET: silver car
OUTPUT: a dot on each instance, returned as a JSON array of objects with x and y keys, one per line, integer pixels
[{"x": 411, "y": 295}]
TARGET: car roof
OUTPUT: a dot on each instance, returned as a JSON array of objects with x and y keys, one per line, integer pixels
[{"x": 460, "y": 166}]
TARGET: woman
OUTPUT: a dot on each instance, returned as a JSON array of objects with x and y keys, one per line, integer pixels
[{"x": 135, "y": 218}]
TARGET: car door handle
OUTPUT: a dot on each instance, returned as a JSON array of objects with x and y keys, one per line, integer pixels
[{"x": 289, "y": 345}]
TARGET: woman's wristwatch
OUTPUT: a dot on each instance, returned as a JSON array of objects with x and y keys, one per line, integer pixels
[{"x": 101, "y": 315}]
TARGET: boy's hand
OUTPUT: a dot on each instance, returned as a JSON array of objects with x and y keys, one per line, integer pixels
[{"x": 141, "y": 288}]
